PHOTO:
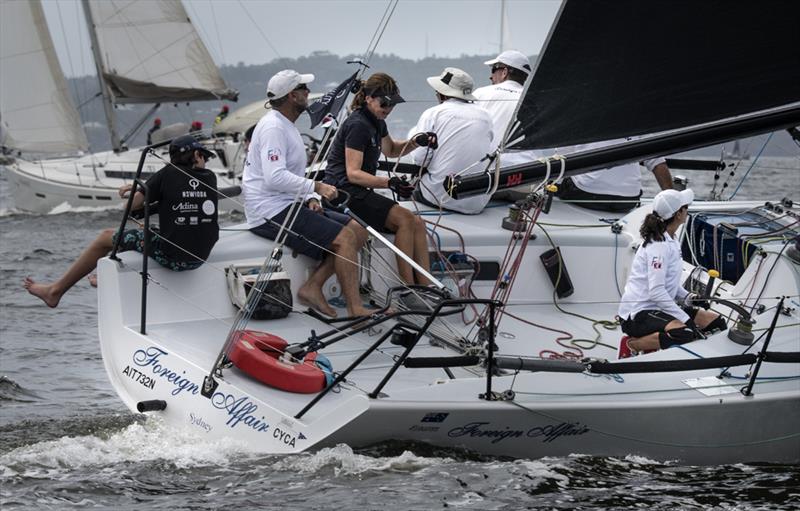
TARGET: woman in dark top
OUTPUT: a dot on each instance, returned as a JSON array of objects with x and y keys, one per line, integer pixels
[{"x": 353, "y": 162}]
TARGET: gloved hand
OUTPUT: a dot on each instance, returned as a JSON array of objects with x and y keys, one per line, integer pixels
[
  {"x": 427, "y": 139},
  {"x": 401, "y": 187},
  {"x": 695, "y": 300}
]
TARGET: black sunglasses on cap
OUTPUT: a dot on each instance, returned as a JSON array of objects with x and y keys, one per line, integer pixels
[
  {"x": 498, "y": 67},
  {"x": 302, "y": 86}
]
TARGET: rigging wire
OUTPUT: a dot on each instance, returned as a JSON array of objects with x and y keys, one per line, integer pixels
[{"x": 764, "y": 146}]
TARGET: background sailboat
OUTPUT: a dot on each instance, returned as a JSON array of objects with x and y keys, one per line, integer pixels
[{"x": 145, "y": 52}]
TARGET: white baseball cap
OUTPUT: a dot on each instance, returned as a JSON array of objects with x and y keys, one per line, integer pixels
[
  {"x": 285, "y": 82},
  {"x": 512, "y": 58},
  {"x": 454, "y": 83},
  {"x": 667, "y": 202}
]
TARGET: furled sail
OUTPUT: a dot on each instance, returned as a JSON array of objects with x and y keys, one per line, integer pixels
[
  {"x": 151, "y": 53},
  {"x": 613, "y": 68},
  {"x": 37, "y": 113}
]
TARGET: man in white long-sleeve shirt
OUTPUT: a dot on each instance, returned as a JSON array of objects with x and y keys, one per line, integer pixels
[
  {"x": 274, "y": 181},
  {"x": 464, "y": 134}
]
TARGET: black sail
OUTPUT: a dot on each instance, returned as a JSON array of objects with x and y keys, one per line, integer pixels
[{"x": 615, "y": 68}]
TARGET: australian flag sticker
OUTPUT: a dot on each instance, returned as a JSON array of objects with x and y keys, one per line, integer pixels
[
  {"x": 435, "y": 417},
  {"x": 274, "y": 154}
]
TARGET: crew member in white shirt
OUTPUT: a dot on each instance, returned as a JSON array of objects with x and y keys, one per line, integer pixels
[
  {"x": 274, "y": 179},
  {"x": 615, "y": 189},
  {"x": 464, "y": 136},
  {"x": 655, "y": 311}
]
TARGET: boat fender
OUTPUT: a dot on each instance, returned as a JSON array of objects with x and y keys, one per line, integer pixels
[
  {"x": 323, "y": 363},
  {"x": 153, "y": 405},
  {"x": 675, "y": 336}
]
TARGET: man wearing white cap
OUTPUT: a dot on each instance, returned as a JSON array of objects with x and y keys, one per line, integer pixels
[
  {"x": 464, "y": 135},
  {"x": 274, "y": 181},
  {"x": 510, "y": 70},
  {"x": 655, "y": 311}
]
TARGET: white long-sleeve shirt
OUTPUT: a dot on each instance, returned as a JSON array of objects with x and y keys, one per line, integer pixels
[
  {"x": 274, "y": 169},
  {"x": 623, "y": 180},
  {"x": 655, "y": 281},
  {"x": 464, "y": 133}
]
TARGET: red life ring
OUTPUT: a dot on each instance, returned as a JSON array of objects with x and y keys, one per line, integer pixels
[{"x": 257, "y": 354}]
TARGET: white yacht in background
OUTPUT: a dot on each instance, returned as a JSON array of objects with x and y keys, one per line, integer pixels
[{"x": 138, "y": 61}]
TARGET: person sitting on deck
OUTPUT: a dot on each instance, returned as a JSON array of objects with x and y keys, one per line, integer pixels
[
  {"x": 464, "y": 134},
  {"x": 274, "y": 178},
  {"x": 353, "y": 165},
  {"x": 187, "y": 195},
  {"x": 649, "y": 310},
  {"x": 615, "y": 189}
]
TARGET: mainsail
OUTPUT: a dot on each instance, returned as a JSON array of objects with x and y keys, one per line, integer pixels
[
  {"x": 614, "y": 68},
  {"x": 151, "y": 53},
  {"x": 37, "y": 111}
]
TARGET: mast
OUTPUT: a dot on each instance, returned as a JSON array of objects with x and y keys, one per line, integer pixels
[
  {"x": 108, "y": 99},
  {"x": 502, "y": 25}
]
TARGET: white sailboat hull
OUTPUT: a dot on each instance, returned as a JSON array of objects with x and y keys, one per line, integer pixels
[
  {"x": 694, "y": 417},
  {"x": 92, "y": 181}
]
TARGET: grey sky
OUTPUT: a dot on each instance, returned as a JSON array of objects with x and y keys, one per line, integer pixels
[{"x": 418, "y": 28}]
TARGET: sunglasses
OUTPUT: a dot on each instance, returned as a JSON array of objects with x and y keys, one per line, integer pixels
[
  {"x": 497, "y": 68},
  {"x": 302, "y": 86}
]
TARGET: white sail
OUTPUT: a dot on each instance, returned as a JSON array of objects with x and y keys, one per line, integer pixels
[
  {"x": 151, "y": 53},
  {"x": 37, "y": 111}
]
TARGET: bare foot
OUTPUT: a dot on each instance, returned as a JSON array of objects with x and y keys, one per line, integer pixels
[
  {"x": 43, "y": 291},
  {"x": 92, "y": 279},
  {"x": 360, "y": 310},
  {"x": 314, "y": 298}
]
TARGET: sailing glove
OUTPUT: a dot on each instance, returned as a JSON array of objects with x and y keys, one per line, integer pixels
[
  {"x": 426, "y": 139},
  {"x": 401, "y": 187}
]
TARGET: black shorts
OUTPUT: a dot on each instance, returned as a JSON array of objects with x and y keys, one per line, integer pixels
[
  {"x": 568, "y": 191},
  {"x": 370, "y": 207},
  {"x": 311, "y": 232},
  {"x": 647, "y": 322},
  {"x": 133, "y": 239}
]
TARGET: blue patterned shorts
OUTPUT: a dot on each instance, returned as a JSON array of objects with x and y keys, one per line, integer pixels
[{"x": 133, "y": 239}]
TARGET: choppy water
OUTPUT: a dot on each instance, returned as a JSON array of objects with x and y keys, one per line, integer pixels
[{"x": 67, "y": 442}]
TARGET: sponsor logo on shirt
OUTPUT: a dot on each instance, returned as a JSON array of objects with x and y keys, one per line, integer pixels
[
  {"x": 192, "y": 220},
  {"x": 274, "y": 154},
  {"x": 184, "y": 206},
  {"x": 656, "y": 263},
  {"x": 208, "y": 207},
  {"x": 194, "y": 183},
  {"x": 180, "y": 220}
]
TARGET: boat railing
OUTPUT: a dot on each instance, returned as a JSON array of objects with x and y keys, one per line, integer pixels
[
  {"x": 137, "y": 183},
  {"x": 412, "y": 333}
]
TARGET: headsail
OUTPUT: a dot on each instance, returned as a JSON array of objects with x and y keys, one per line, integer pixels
[
  {"x": 37, "y": 110},
  {"x": 613, "y": 68},
  {"x": 151, "y": 53}
]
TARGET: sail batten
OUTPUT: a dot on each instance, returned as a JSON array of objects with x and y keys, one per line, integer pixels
[
  {"x": 38, "y": 114},
  {"x": 151, "y": 52},
  {"x": 616, "y": 68}
]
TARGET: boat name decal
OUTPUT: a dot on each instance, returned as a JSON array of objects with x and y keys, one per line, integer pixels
[
  {"x": 138, "y": 376},
  {"x": 199, "y": 422},
  {"x": 435, "y": 417},
  {"x": 239, "y": 411},
  {"x": 150, "y": 357},
  {"x": 548, "y": 433}
]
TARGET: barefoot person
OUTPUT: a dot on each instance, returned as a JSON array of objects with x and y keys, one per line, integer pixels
[
  {"x": 187, "y": 196},
  {"x": 649, "y": 310},
  {"x": 274, "y": 178}
]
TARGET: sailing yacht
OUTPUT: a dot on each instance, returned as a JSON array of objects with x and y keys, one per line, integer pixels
[
  {"x": 518, "y": 354},
  {"x": 145, "y": 52}
]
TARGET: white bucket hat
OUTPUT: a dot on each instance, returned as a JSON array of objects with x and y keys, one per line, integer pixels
[
  {"x": 512, "y": 58},
  {"x": 284, "y": 82},
  {"x": 454, "y": 83},
  {"x": 667, "y": 202}
]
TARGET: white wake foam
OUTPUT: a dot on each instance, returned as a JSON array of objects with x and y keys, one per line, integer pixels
[
  {"x": 343, "y": 461},
  {"x": 138, "y": 442}
]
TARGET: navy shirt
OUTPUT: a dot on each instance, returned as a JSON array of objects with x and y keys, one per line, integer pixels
[{"x": 363, "y": 132}]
